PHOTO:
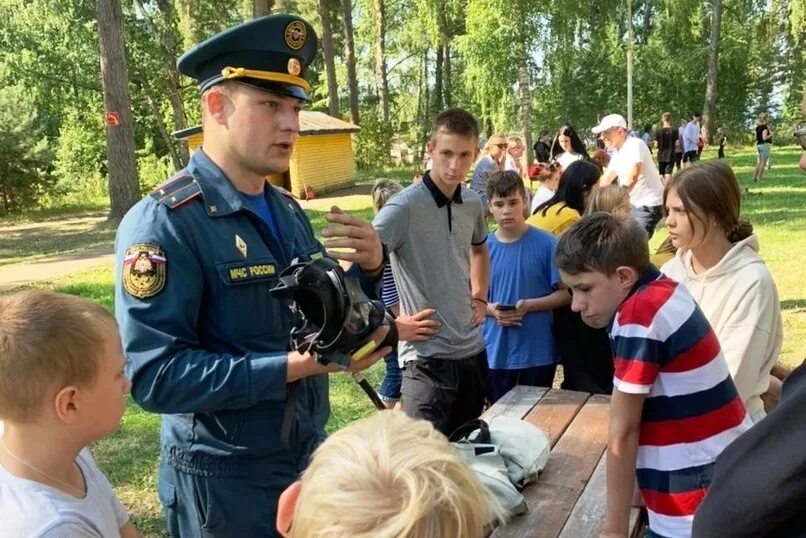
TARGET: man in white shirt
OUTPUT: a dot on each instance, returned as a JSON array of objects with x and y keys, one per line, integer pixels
[
  {"x": 632, "y": 165},
  {"x": 691, "y": 140}
]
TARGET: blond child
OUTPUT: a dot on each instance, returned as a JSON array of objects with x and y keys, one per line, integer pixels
[
  {"x": 611, "y": 199},
  {"x": 615, "y": 199},
  {"x": 386, "y": 476},
  {"x": 62, "y": 387}
]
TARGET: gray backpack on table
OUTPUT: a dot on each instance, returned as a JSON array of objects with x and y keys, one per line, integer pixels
[{"x": 505, "y": 454}]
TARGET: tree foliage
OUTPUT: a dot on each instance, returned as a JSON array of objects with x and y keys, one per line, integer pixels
[
  {"x": 553, "y": 61},
  {"x": 24, "y": 153}
]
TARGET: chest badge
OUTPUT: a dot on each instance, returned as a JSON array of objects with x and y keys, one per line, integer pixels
[{"x": 240, "y": 245}]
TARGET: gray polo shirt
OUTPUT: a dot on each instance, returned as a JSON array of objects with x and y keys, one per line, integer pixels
[{"x": 428, "y": 237}]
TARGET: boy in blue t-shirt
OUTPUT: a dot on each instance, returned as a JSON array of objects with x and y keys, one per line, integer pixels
[{"x": 523, "y": 292}]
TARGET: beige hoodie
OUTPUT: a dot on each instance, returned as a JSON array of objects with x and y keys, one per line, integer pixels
[{"x": 740, "y": 300}]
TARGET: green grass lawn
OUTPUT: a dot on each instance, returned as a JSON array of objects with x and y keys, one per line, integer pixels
[{"x": 777, "y": 208}]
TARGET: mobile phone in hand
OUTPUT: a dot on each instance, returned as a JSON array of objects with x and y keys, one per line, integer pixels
[{"x": 506, "y": 307}]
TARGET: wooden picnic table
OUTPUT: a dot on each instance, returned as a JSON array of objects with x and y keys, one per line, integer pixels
[{"x": 568, "y": 500}]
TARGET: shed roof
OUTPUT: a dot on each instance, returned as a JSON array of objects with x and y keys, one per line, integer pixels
[
  {"x": 313, "y": 123},
  {"x": 310, "y": 123}
]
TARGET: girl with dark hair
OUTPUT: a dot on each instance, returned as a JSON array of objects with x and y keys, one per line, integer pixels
[
  {"x": 567, "y": 147},
  {"x": 717, "y": 259},
  {"x": 584, "y": 351},
  {"x": 568, "y": 204}
]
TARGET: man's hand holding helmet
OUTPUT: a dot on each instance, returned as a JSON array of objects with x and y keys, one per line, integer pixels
[{"x": 305, "y": 364}]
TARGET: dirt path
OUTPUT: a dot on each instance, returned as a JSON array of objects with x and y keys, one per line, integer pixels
[
  {"x": 22, "y": 274},
  {"x": 356, "y": 196},
  {"x": 54, "y": 247}
]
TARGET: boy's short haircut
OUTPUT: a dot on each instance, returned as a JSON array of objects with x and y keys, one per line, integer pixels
[
  {"x": 504, "y": 184},
  {"x": 666, "y": 117},
  {"x": 47, "y": 341},
  {"x": 456, "y": 121},
  {"x": 382, "y": 191},
  {"x": 602, "y": 242},
  {"x": 390, "y": 475}
]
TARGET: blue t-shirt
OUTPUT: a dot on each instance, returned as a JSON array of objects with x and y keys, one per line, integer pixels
[
  {"x": 261, "y": 206},
  {"x": 522, "y": 269}
]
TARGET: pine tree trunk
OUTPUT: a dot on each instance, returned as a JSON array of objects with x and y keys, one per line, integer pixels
[
  {"x": 437, "y": 100},
  {"x": 349, "y": 54},
  {"x": 330, "y": 61},
  {"x": 253, "y": 9},
  {"x": 154, "y": 106},
  {"x": 446, "y": 74},
  {"x": 170, "y": 51},
  {"x": 380, "y": 60},
  {"x": 260, "y": 8},
  {"x": 187, "y": 24},
  {"x": 425, "y": 119},
  {"x": 525, "y": 105},
  {"x": 709, "y": 108},
  {"x": 124, "y": 190},
  {"x": 647, "y": 21}
]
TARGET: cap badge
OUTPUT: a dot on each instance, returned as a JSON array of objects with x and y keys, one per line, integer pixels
[
  {"x": 295, "y": 35},
  {"x": 294, "y": 67}
]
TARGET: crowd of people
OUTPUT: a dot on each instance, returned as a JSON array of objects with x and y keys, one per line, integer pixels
[{"x": 686, "y": 341}]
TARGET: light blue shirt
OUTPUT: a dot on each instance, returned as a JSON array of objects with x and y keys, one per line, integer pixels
[
  {"x": 522, "y": 269},
  {"x": 691, "y": 136}
]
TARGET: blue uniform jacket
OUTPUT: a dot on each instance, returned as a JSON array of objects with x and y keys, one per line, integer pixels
[{"x": 205, "y": 342}]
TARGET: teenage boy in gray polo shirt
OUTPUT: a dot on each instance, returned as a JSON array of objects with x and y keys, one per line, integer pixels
[{"x": 435, "y": 234}]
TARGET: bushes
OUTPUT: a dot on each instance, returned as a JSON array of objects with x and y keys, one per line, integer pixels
[
  {"x": 151, "y": 169},
  {"x": 24, "y": 155},
  {"x": 374, "y": 142}
]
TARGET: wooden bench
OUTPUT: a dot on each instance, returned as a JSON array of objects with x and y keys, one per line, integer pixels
[{"x": 568, "y": 500}]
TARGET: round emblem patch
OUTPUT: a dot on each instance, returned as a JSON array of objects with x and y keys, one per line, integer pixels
[
  {"x": 294, "y": 67},
  {"x": 295, "y": 35},
  {"x": 144, "y": 270}
]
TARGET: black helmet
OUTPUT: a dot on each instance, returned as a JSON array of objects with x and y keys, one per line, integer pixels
[{"x": 333, "y": 316}]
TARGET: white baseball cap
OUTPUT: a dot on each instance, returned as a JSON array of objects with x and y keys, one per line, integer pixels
[{"x": 609, "y": 122}]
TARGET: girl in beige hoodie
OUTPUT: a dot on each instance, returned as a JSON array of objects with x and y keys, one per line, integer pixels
[{"x": 718, "y": 261}]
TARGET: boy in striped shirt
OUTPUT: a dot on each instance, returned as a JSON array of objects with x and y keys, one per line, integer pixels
[{"x": 674, "y": 406}]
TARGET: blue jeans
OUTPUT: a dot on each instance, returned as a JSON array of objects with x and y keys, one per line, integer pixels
[{"x": 390, "y": 387}]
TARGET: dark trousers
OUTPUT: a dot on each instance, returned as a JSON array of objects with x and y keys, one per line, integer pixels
[
  {"x": 502, "y": 381},
  {"x": 678, "y": 160},
  {"x": 585, "y": 353},
  {"x": 445, "y": 392},
  {"x": 222, "y": 507}
]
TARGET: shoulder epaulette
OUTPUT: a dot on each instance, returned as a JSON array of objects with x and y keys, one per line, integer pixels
[
  {"x": 177, "y": 191},
  {"x": 288, "y": 194},
  {"x": 285, "y": 192}
]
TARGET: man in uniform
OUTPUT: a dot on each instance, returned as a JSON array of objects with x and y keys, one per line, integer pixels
[{"x": 206, "y": 344}]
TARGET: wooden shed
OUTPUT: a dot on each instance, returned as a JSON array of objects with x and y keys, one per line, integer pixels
[{"x": 322, "y": 158}]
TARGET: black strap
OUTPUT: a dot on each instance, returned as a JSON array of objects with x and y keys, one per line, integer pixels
[
  {"x": 290, "y": 415},
  {"x": 364, "y": 384},
  {"x": 469, "y": 427}
]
